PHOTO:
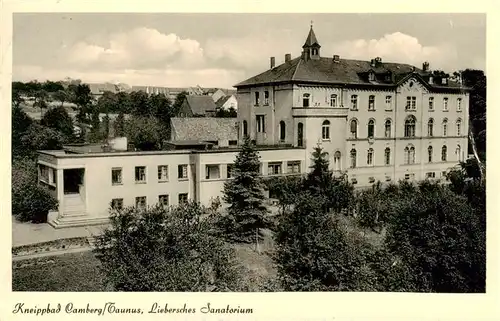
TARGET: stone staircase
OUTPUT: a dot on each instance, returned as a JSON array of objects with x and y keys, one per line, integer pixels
[
  {"x": 74, "y": 214},
  {"x": 73, "y": 205}
]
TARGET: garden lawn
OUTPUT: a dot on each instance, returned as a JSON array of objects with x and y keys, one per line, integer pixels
[
  {"x": 63, "y": 273},
  {"x": 79, "y": 272}
]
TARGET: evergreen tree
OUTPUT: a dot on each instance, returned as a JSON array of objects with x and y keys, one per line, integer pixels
[
  {"x": 336, "y": 192},
  {"x": 105, "y": 126},
  {"x": 319, "y": 179},
  {"x": 95, "y": 133},
  {"x": 245, "y": 196},
  {"x": 119, "y": 125}
]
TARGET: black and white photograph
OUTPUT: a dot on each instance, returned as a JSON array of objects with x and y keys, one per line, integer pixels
[{"x": 248, "y": 152}]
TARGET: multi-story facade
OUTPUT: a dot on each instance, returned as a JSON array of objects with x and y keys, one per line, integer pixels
[
  {"x": 376, "y": 120},
  {"x": 88, "y": 180}
]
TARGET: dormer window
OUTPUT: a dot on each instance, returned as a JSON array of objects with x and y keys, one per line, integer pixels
[
  {"x": 371, "y": 76},
  {"x": 444, "y": 81}
]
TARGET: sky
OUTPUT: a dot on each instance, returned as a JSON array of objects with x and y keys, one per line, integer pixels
[{"x": 220, "y": 50}]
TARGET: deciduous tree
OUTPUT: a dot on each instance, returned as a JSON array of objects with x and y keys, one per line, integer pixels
[{"x": 167, "y": 250}]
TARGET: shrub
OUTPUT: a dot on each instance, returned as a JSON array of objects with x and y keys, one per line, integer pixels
[
  {"x": 314, "y": 253},
  {"x": 171, "y": 249},
  {"x": 30, "y": 202},
  {"x": 441, "y": 238}
]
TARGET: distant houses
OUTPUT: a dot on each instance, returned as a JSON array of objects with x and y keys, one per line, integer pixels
[{"x": 196, "y": 106}]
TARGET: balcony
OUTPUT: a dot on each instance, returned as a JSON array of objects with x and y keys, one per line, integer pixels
[{"x": 319, "y": 112}]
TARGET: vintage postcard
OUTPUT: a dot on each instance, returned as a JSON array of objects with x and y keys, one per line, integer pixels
[{"x": 236, "y": 160}]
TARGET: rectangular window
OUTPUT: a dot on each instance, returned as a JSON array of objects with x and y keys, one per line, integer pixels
[
  {"x": 182, "y": 172},
  {"x": 163, "y": 173},
  {"x": 163, "y": 200},
  {"x": 411, "y": 103},
  {"x": 266, "y": 98},
  {"x": 333, "y": 100},
  {"x": 140, "y": 174},
  {"x": 233, "y": 142},
  {"x": 116, "y": 176},
  {"x": 410, "y": 176},
  {"x": 354, "y": 102},
  {"x": 445, "y": 103},
  {"x": 293, "y": 167},
  {"x": 431, "y": 103},
  {"x": 212, "y": 171},
  {"x": 44, "y": 173},
  {"x": 371, "y": 102},
  {"x": 387, "y": 178},
  {"x": 261, "y": 125},
  {"x": 430, "y": 174},
  {"x": 388, "y": 102},
  {"x": 371, "y": 180},
  {"x": 274, "y": 168},
  {"x": 229, "y": 170},
  {"x": 183, "y": 198},
  {"x": 140, "y": 202},
  {"x": 257, "y": 99},
  {"x": 354, "y": 181},
  {"x": 305, "y": 100},
  {"x": 117, "y": 203}
]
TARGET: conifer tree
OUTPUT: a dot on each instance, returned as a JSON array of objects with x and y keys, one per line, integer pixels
[
  {"x": 245, "y": 196},
  {"x": 119, "y": 125},
  {"x": 319, "y": 179}
]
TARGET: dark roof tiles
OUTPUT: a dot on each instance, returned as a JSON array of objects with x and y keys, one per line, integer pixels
[
  {"x": 204, "y": 129},
  {"x": 325, "y": 70}
]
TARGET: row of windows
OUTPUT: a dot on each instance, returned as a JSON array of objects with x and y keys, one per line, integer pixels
[
  {"x": 409, "y": 128},
  {"x": 141, "y": 174},
  {"x": 411, "y": 102},
  {"x": 410, "y": 125},
  {"x": 212, "y": 171},
  {"x": 408, "y": 176},
  {"x": 141, "y": 201},
  {"x": 409, "y": 156}
]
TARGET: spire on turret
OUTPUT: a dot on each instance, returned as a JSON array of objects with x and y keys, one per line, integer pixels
[{"x": 311, "y": 46}]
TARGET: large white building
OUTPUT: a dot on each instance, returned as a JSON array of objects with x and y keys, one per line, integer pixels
[{"x": 377, "y": 121}]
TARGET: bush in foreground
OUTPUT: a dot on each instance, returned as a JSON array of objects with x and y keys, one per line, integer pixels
[
  {"x": 172, "y": 249},
  {"x": 30, "y": 201}
]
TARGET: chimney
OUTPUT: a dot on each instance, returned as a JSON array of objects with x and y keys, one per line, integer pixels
[
  {"x": 131, "y": 147},
  {"x": 425, "y": 66},
  {"x": 372, "y": 63},
  {"x": 336, "y": 58},
  {"x": 378, "y": 60},
  {"x": 431, "y": 80},
  {"x": 273, "y": 61},
  {"x": 288, "y": 57}
]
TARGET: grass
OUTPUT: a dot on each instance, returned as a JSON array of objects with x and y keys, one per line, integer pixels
[{"x": 79, "y": 272}]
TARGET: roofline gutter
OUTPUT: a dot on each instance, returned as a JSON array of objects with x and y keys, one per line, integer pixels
[{"x": 344, "y": 84}]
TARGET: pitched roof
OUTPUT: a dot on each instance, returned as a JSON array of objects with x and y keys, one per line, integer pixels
[
  {"x": 204, "y": 128},
  {"x": 200, "y": 104},
  {"x": 345, "y": 71},
  {"x": 97, "y": 89},
  {"x": 311, "y": 39},
  {"x": 219, "y": 103}
]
